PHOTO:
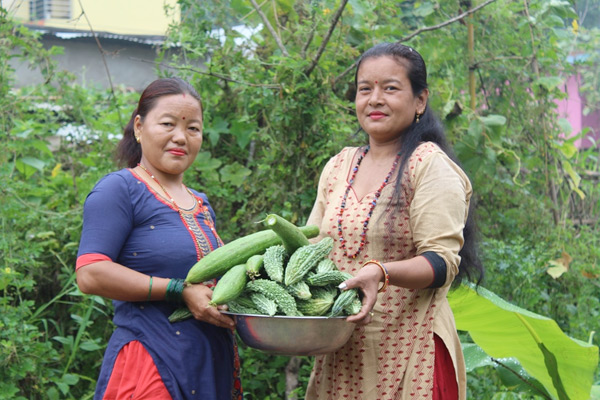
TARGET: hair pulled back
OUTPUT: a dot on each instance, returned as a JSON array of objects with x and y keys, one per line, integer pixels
[
  {"x": 428, "y": 129},
  {"x": 129, "y": 151}
]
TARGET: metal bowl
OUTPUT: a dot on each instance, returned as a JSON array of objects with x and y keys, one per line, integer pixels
[{"x": 292, "y": 336}]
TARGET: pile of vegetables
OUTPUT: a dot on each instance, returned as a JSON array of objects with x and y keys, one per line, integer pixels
[{"x": 276, "y": 272}]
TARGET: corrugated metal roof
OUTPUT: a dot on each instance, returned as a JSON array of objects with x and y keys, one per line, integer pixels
[{"x": 67, "y": 34}]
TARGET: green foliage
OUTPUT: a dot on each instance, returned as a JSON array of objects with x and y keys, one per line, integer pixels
[
  {"x": 534, "y": 340},
  {"x": 263, "y": 376}
]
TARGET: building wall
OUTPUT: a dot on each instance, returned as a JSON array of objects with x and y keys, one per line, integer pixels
[
  {"x": 129, "y": 17},
  {"x": 571, "y": 108},
  {"x": 130, "y": 64},
  {"x": 128, "y": 31}
]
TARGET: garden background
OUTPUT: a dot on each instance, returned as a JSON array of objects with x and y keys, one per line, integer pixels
[{"x": 278, "y": 104}]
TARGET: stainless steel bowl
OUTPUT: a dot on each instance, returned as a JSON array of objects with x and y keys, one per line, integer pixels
[{"x": 299, "y": 336}]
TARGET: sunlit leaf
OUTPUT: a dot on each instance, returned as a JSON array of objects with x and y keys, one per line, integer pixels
[
  {"x": 549, "y": 82},
  {"x": 499, "y": 328},
  {"x": 56, "y": 170},
  {"x": 559, "y": 266}
]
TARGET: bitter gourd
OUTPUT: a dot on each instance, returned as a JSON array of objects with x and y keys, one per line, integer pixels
[
  {"x": 328, "y": 278},
  {"x": 299, "y": 290},
  {"x": 306, "y": 258},
  {"x": 273, "y": 262},
  {"x": 275, "y": 291},
  {"x": 342, "y": 301},
  {"x": 264, "y": 304}
]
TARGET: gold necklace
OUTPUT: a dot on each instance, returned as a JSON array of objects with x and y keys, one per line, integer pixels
[{"x": 169, "y": 197}]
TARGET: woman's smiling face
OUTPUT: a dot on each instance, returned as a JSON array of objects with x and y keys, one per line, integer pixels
[
  {"x": 171, "y": 133},
  {"x": 385, "y": 102}
]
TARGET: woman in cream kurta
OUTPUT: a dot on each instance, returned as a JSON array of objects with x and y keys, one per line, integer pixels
[
  {"x": 405, "y": 345},
  {"x": 392, "y": 357}
]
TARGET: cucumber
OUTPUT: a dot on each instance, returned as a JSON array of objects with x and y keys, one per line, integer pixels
[
  {"x": 253, "y": 265},
  {"x": 291, "y": 236},
  {"x": 230, "y": 286},
  {"x": 220, "y": 260}
]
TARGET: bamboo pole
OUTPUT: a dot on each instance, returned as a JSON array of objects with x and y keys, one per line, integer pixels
[{"x": 471, "y": 52}]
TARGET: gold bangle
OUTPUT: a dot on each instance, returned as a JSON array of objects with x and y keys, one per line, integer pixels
[{"x": 386, "y": 280}]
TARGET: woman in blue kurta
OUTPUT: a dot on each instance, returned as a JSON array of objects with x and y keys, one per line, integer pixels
[{"x": 143, "y": 229}]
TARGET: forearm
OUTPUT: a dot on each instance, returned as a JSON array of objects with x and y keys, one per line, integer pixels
[
  {"x": 115, "y": 281},
  {"x": 414, "y": 273}
]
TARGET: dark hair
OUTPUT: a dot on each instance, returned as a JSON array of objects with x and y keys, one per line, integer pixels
[
  {"x": 428, "y": 129},
  {"x": 129, "y": 152}
]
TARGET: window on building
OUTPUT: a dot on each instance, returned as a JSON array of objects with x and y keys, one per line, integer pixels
[{"x": 50, "y": 9}]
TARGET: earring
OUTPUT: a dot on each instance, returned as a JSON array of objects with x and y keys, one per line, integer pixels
[
  {"x": 418, "y": 116},
  {"x": 137, "y": 139}
]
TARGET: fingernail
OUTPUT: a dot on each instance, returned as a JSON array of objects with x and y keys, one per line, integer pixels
[{"x": 343, "y": 285}]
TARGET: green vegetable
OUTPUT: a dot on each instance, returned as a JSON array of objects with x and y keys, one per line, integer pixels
[
  {"x": 264, "y": 304},
  {"x": 253, "y": 265},
  {"x": 306, "y": 258},
  {"x": 328, "y": 278},
  {"x": 274, "y": 260},
  {"x": 180, "y": 314},
  {"x": 319, "y": 304},
  {"x": 275, "y": 291},
  {"x": 220, "y": 260},
  {"x": 326, "y": 265},
  {"x": 344, "y": 300},
  {"x": 291, "y": 236},
  {"x": 354, "y": 307},
  {"x": 230, "y": 286},
  {"x": 242, "y": 305},
  {"x": 299, "y": 290}
]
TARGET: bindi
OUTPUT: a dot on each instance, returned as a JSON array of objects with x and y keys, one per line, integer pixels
[
  {"x": 183, "y": 118},
  {"x": 376, "y": 82}
]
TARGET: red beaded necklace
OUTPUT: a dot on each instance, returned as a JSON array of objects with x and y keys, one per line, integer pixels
[{"x": 373, "y": 203}]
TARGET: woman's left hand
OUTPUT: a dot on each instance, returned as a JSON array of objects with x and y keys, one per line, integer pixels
[
  {"x": 197, "y": 297},
  {"x": 367, "y": 280}
]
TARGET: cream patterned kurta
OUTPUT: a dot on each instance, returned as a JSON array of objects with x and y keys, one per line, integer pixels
[{"x": 392, "y": 357}]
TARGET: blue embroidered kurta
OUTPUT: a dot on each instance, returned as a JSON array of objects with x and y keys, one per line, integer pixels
[{"x": 126, "y": 221}]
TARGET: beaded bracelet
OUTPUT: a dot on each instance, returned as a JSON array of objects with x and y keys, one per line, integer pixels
[
  {"x": 174, "y": 292},
  {"x": 386, "y": 280},
  {"x": 149, "y": 289}
]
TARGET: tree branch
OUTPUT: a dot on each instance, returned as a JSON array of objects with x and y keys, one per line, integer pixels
[
  {"x": 336, "y": 18},
  {"x": 270, "y": 28},
  {"x": 102, "y": 52},
  {"x": 213, "y": 74},
  {"x": 421, "y": 30},
  {"x": 448, "y": 22}
]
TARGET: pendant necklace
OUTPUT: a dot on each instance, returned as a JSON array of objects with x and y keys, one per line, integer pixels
[
  {"x": 190, "y": 221},
  {"x": 169, "y": 197},
  {"x": 373, "y": 203}
]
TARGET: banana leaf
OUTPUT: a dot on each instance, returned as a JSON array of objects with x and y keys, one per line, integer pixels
[{"x": 563, "y": 365}]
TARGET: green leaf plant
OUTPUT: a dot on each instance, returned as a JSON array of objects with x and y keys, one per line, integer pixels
[{"x": 563, "y": 365}]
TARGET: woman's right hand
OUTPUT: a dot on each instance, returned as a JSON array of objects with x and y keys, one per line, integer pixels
[{"x": 196, "y": 297}]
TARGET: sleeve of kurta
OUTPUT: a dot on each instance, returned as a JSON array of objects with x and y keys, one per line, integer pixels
[
  {"x": 439, "y": 208},
  {"x": 107, "y": 218},
  {"x": 316, "y": 215}
]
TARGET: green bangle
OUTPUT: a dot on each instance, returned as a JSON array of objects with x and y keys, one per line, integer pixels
[
  {"x": 149, "y": 289},
  {"x": 174, "y": 292}
]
